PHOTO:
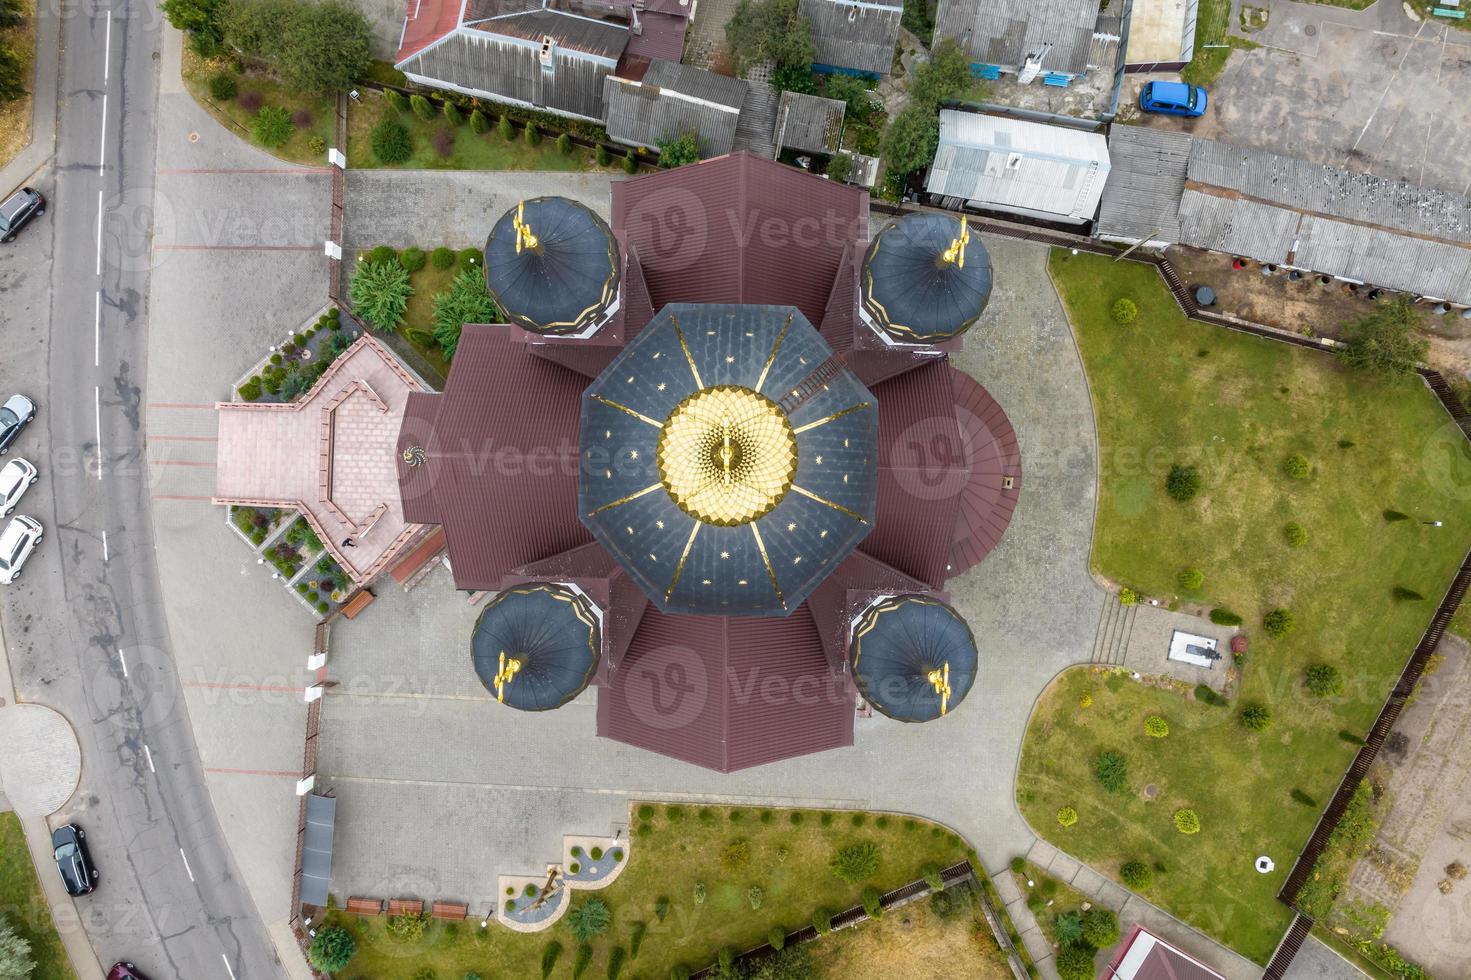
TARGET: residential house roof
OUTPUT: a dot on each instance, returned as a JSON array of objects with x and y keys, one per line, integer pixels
[
  {"x": 856, "y": 35},
  {"x": 1145, "y": 956},
  {"x": 670, "y": 100},
  {"x": 809, "y": 123},
  {"x": 1006, "y": 32}
]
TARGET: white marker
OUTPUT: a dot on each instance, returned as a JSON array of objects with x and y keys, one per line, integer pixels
[
  {"x": 102, "y": 137},
  {"x": 227, "y": 965},
  {"x": 107, "y": 48},
  {"x": 97, "y": 330},
  {"x": 99, "y": 233},
  {"x": 97, "y": 394},
  {"x": 148, "y": 752},
  {"x": 191, "y": 876},
  {"x": 104, "y": 546},
  {"x": 123, "y": 659}
]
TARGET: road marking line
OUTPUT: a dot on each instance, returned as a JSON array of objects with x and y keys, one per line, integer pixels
[
  {"x": 180, "y": 462},
  {"x": 191, "y": 872},
  {"x": 99, "y": 232},
  {"x": 227, "y": 965},
  {"x": 123, "y": 659},
  {"x": 102, "y": 138},
  {"x": 104, "y": 546},
  {"x": 97, "y": 330},
  {"x": 149, "y": 752},
  {"x": 238, "y": 248},
  {"x": 107, "y": 48},
  {"x": 97, "y": 395}
]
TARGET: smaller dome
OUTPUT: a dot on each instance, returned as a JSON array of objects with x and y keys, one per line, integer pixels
[
  {"x": 914, "y": 658},
  {"x": 551, "y": 265},
  {"x": 535, "y": 646},
  {"x": 926, "y": 279}
]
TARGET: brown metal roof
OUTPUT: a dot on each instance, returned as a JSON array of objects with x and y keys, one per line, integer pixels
[
  {"x": 501, "y": 459},
  {"x": 413, "y": 480},
  {"x": 830, "y": 601},
  {"x": 620, "y": 597},
  {"x": 991, "y": 454},
  {"x": 740, "y": 229},
  {"x": 1145, "y": 956},
  {"x": 726, "y": 693}
]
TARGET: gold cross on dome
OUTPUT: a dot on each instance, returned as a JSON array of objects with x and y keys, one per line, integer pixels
[
  {"x": 525, "y": 238},
  {"x": 509, "y": 668},
  {"x": 941, "y": 680},
  {"x": 955, "y": 254}
]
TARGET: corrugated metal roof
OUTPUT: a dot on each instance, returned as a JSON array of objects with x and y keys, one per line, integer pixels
[
  {"x": 1004, "y": 32},
  {"x": 316, "y": 849},
  {"x": 992, "y": 455},
  {"x": 1146, "y": 177},
  {"x": 671, "y": 100},
  {"x": 1015, "y": 165},
  {"x": 809, "y": 123},
  {"x": 413, "y": 478},
  {"x": 860, "y": 36},
  {"x": 600, "y": 38}
]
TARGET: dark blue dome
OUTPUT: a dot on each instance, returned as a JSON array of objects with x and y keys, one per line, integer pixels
[
  {"x": 908, "y": 651},
  {"x": 539, "y": 642},
  {"x": 926, "y": 279},
  {"x": 551, "y": 265}
]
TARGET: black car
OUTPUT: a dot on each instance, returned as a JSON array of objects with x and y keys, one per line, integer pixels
[
  {"x": 69, "y": 844},
  {"x": 18, "y": 209},
  {"x": 15, "y": 414}
]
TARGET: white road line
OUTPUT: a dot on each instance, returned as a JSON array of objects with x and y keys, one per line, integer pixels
[
  {"x": 97, "y": 330},
  {"x": 149, "y": 752},
  {"x": 102, "y": 137},
  {"x": 107, "y": 48},
  {"x": 123, "y": 659},
  {"x": 97, "y": 396},
  {"x": 99, "y": 232},
  {"x": 191, "y": 874},
  {"x": 104, "y": 546},
  {"x": 227, "y": 965}
]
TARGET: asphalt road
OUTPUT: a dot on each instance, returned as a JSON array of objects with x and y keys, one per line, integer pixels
[{"x": 84, "y": 624}]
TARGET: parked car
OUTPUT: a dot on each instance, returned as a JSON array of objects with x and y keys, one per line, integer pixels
[
  {"x": 124, "y": 971},
  {"x": 69, "y": 844},
  {"x": 16, "y": 478},
  {"x": 17, "y": 211},
  {"x": 17, "y": 411},
  {"x": 1173, "y": 99},
  {"x": 20, "y": 538}
]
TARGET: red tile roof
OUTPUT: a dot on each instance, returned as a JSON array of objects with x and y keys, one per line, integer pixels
[
  {"x": 426, "y": 22},
  {"x": 991, "y": 454},
  {"x": 726, "y": 693}
]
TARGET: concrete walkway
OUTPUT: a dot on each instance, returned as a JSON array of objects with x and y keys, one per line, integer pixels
[{"x": 43, "y": 102}]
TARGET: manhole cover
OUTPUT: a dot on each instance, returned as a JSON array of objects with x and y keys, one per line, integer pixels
[
  {"x": 194, "y": 137},
  {"x": 1151, "y": 791},
  {"x": 1310, "y": 30}
]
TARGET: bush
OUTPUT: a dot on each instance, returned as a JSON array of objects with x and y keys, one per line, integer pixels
[
  {"x": 736, "y": 855},
  {"x": 380, "y": 291},
  {"x": 564, "y": 144},
  {"x": 331, "y": 948},
  {"x": 589, "y": 920},
  {"x": 1324, "y": 680},
  {"x": 661, "y": 907},
  {"x": 409, "y": 927},
  {"x": 699, "y": 893},
  {"x": 1086, "y": 700},
  {"x": 422, "y": 107},
  {"x": 317, "y": 145},
  {"x": 223, "y": 87},
  {"x": 822, "y": 921},
  {"x": 1295, "y": 534},
  {"x": 453, "y": 115},
  {"x": 616, "y": 956},
  {"x": 1128, "y": 597},
  {"x": 635, "y": 939},
  {"x": 1402, "y": 594},
  {"x": 391, "y": 143},
  {"x": 1256, "y": 717},
  {"x": 581, "y": 959},
  {"x": 507, "y": 128},
  {"x": 602, "y": 156},
  {"x": 1068, "y": 927},
  {"x": 725, "y": 960},
  {"x": 1279, "y": 622},
  {"x": 479, "y": 125},
  {"x": 1100, "y": 927},
  {"x": 931, "y": 875},
  {"x": 271, "y": 126},
  {"x": 250, "y": 391},
  {"x": 1186, "y": 821},
  {"x": 1067, "y": 816},
  {"x": 872, "y": 902},
  {"x": 630, "y": 163},
  {"x": 855, "y": 862},
  {"x": 1298, "y": 796},
  {"x": 250, "y": 100},
  {"x": 1074, "y": 962},
  {"x": 1224, "y": 617},
  {"x": 1183, "y": 482},
  {"x": 1156, "y": 727},
  {"x": 645, "y": 812},
  {"x": 1191, "y": 579},
  {"x": 1124, "y": 311},
  {"x": 776, "y": 938},
  {"x": 1387, "y": 340},
  {"x": 442, "y": 258},
  {"x": 1296, "y": 466},
  {"x": 1112, "y": 770},
  {"x": 395, "y": 99},
  {"x": 470, "y": 259},
  {"x": 466, "y": 301},
  {"x": 1136, "y": 874},
  {"x": 531, "y": 134}
]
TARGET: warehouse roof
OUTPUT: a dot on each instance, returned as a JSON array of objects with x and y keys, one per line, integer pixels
[
  {"x": 672, "y": 99},
  {"x": 1005, "y": 32},
  {"x": 859, "y": 35},
  {"x": 1141, "y": 199}
]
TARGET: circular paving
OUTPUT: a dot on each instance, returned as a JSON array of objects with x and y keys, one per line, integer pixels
[{"x": 42, "y": 759}]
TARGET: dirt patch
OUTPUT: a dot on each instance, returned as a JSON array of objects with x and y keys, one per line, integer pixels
[
  {"x": 913, "y": 943},
  {"x": 1303, "y": 306}
]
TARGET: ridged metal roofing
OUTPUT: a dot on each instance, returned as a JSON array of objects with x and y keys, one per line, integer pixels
[
  {"x": 914, "y": 657},
  {"x": 925, "y": 279},
  {"x": 671, "y": 100},
  {"x": 687, "y": 556},
  {"x": 993, "y": 459},
  {"x": 808, "y": 123},
  {"x": 1146, "y": 177},
  {"x": 536, "y": 646},
  {"x": 1004, "y": 32},
  {"x": 551, "y": 265},
  {"x": 855, "y": 35}
]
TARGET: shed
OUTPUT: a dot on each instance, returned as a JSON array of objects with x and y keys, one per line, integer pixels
[
  {"x": 316, "y": 849},
  {"x": 853, "y": 37},
  {"x": 1052, "y": 36},
  {"x": 809, "y": 123},
  {"x": 1141, "y": 199},
  {"x": 670, "y": 100}
]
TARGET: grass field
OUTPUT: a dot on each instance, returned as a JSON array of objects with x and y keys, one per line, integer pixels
[
  {"x": 1169, "y": 391},
  {"x": 428, "y": 282},
  {"x": 913, "y": 943},
  {"x": 15, "y": 117},
  {"x": 683, "y": 846},
  {"x": 24, "y": 905},
  {"x": 318, "y": 113}
]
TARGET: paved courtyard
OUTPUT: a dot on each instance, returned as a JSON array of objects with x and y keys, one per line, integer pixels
[{"x": 412, "y": 741}]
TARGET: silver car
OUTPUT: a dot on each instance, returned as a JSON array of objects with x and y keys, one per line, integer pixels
[
  {"x": 15, "y": 415},
  {"x": 20, "y": 538},
  {"x": 16, "y": 478}
]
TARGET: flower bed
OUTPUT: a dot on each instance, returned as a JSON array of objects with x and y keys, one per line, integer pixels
[
  {"x": 257, "y": 523},
  {"x": 526, "y": 907},
  {"x": 294, "y": 549},
  {"x": 291, "y": 370},
  {"x": 326, "y": 586},
  {"x": 590, "y": 860}
]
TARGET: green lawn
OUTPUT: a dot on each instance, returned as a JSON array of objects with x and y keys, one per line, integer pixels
[
  {"x": 427, "y": 282},
  {"x": 468, "y": 151},
  {"x": 1213, "y": 27},
  {"x": 1168, "y": 391},
  {"x": 319, "y": 111},
  {"x": 682, "y": 846},
  {"x": 1047, "y": 897},
  {"x": 24, "y": 905}
]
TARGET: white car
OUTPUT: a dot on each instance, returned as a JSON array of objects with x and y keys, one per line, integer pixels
[
  {"x": 20, "y": 538},
  {"x": 16, "y": 478}
]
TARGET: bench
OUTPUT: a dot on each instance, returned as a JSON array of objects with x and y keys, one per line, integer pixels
[
  {"x": 1446, "y": 12},
  {"x": 365, "y": 906},
  {"x": 359, "y": 601},
  {"x": 405, "y": 906},
  {"x": 449, "y": 910},
  {"x": 1055, "y": 80}
]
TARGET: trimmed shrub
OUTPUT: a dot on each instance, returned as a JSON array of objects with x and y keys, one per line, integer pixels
[
  {"x": 871, "y": 902},
  {"x": 453, "y": 115},
  {"x": 412, "y": 259},
  {"x": 1402, "y": 594},
  {"x": 699, "y": 893},
  {"x": 1100, "y": 927},
  {"x": 646, "y": 812},
  {"x": 1136, "y": 874},
  {"x": 1074, "y": 962},
  {"x": 1191, "y": 579},
  {"x": 776, "y": 938},
  {"x": 1067, "y": 816},
  {"x": 1295, "y": 534},
  {"x": 1296, "y": 466},
  {"x": 391, "y": 143},
  {"x": 573, "y": 868},
  {"x": 531, "y": 134},
  {"x": 616, "y": 957},
  {"x": 581, "y": 959},
  {"x": 1324, "y": 680},
  {"x": 630, "y": 163},
  {"x": 331, "y": 948},
  {"x": 755, "y": 895},
  {"x": 1209, "y": 695},
  {"x": 596, "y": 854},
  {"x": 1279, "y": 622},
  {"x": 1112, "y": 770},
  {"x": 931, "y": 875},
  {"x": 479, "y": 124},
  {"x": 395, "y": 99},
  {"x": 822, "y": 921},
  {"x": 855, "y": 862},
  {"x": 442, "y": 258},
  {"x": 470, "y": 259},
  {"x": 1298, "y": 796},
  {"x": 223, "y": 88},
  {"x": 506, "y": 128},
  {"x": 422, "y": 107},
  {"x": 271, "y": 126},
  {"x": 1124, "y": 311},
  {"x": 1224, "y": 617},
  {"x": 635, "y": 938},
  {"x": 564, "y": 144},
  {"x": 250, "y": 391},
  {"x": 602, "y": 156},
  {"x": 1156, "y": 727},
  {"x": 1183, "y": 482},
  {"x": 1256, "y": 717},
  {"x": 1186, "y": 821}
]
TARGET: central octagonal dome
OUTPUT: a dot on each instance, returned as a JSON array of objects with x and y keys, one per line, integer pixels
[{"x": 729, "y": 460}]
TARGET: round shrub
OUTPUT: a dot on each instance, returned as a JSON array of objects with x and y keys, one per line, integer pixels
[
  {"x": 573, "y": 868},
  {"x": 1295, "y": 534},
  {"x": 391, "y": 143},
  {"x": 1296, "y": 466},
  {"x": 271, "y": 126},
  {"x": 1183, "y": 482},
  {"x": 1067, "y": 816},
  {"x": 1156, "y": 727},
  {"x": 1324, "y": 681},
  {"x": 250, "y": 391},
  {"x": 872, "y": 904},
  {"x": 331, "y": 948},
  {"x": 1086, "y": 701},
  {"x": 507, "y": 129},
  {"x": 1279, "y": 622},
  {"x": 596, "y": 853},
  {"x": 822, "y": 921},
  {"x": 1136, "y": 874},
  {"x": 531, "y": 134},
  {"x": 1124, "y": 311},
  {"x": 412, "y": 259},
  {"x": 317, "y": 145},
  {"x": 223, "y": 87},
  {"x": 1191, "y": 579},
  {"x": 564, "y": 144},
  {"x": 442, "y": 258},
  {"x": 1074, "y": 962},
  {"x": 478, "y": 123},
  {"x": 1186, "y": 822},
  {"x": 452, "y": 114},
  {"x": 1256, "y": 717},
  {"x": 422, "y": 107},
  {"x": 1100, "y": 927},
  {"x": 382, "y": 254},
  {"x": 646, "y": 812},
  {"x": 795, "y": 817},
  {"x": 470, "y": 259},
  {"x": 630, "y": 163},
  {"x": 395, "y": 99},
  {"x": 826, "y": 819}
]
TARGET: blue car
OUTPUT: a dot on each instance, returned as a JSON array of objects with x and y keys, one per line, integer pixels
[{"x": 1173, "y": 99}]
